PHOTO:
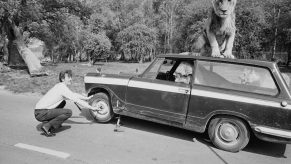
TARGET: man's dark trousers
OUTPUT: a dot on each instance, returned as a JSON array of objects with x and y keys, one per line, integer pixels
[{"x": 55, "y": 117}]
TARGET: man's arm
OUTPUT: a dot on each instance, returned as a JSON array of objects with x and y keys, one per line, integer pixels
[
  {"x": 83, "y": 97},
  {"x": 67, "y": 93}
]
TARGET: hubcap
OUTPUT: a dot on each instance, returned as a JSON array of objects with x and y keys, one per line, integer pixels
[
  {"x": 228, "y": 132},
  {"x": 101, "y": 105}
]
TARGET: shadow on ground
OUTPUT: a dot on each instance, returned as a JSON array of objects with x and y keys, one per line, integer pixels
[
  {"x": 255, "y": 146},
  {"x": 63, "y": 128},
  {"x": 266, "y": 148}
]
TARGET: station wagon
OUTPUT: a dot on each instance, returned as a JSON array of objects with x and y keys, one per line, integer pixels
[{"x": 228, "y": 99}]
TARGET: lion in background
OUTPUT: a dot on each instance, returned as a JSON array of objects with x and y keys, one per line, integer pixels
[{"x": 219, "y": 30}]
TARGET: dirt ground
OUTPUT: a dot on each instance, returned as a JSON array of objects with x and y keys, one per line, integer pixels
[{"x": 19, "y": 81}]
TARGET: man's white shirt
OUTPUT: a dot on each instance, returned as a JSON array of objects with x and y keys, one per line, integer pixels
[{"x": 55, "y": 96}]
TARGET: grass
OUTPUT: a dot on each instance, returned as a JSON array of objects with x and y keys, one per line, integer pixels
[{"x": 19, "y": 81}]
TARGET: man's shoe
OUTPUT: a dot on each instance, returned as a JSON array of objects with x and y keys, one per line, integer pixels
[{"x": 47, "y": 132}]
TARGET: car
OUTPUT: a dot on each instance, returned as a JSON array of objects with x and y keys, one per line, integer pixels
[{"x": 228, "y": 99}]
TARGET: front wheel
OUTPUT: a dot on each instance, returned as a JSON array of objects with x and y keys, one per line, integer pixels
[
  {"x": 228, "y": 133},
  {"x": 101, "y": 100}
]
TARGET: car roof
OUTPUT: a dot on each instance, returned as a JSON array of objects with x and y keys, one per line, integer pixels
[{"x": 240, "y": 61}]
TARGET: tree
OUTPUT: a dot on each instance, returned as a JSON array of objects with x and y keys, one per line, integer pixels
[
  {"x": 96, "y": 45},
  {"x": 138, "y": 42},
  {"x": 284, "y": 27},
  {"x": 61, "y": 19},
  {"x": 11, "y": 16},
  {"x": 70, "y": 28},
  {"x": 190, "y": 21},
  {"x": 249, "y": 22},
  {"x": 167, "y": 22}
]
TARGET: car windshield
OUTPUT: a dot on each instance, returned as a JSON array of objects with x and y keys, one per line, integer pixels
[{"x": 235, "y": 77}]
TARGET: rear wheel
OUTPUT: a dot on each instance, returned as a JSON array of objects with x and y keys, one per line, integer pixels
[
  {"x": 101, "y": 100},
  {"x": 228, "y": 133}
]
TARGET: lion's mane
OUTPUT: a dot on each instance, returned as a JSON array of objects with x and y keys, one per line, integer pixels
[{"x": 219, "y": 30}]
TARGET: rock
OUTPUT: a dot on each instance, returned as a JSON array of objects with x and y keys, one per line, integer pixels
[{"x": 4, "y": 68}]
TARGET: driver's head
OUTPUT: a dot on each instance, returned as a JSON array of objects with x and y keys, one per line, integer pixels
[{"x": 185, "y": 68}]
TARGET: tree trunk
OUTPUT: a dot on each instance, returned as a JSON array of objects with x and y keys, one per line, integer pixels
[
  {"x": 171, "y": 30},
  {"x": 90, "y": 60},
  {"x": 18, "y": 48},
  {"x": 276, "y": 31},
  {"x": 289, "y": 55},
  {"x": 14, "y": 58}
]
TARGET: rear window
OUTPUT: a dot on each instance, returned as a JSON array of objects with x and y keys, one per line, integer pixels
[{"x": 236, "y": 77}]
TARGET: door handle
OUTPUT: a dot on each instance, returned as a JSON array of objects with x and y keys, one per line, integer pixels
[
  {"x": 284, "y": 103},
  {"x": 184, "y": 90}
]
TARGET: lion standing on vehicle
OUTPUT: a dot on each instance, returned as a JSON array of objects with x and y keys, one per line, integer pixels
[{"x": 219, "y": 31}]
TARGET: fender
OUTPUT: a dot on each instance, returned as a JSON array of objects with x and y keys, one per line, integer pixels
[{"x": 199, "y": 124}]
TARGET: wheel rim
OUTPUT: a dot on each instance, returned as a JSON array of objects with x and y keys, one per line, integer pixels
[
  {"x": 228, "y": 132},
  {"x": 101, "y": 105}
]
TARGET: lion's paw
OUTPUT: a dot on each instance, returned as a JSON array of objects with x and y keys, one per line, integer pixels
[
  {"x": 215, "y": 53},
  {"x": 195, "y": 54},
  {"x": 185, "y": 53},
  {"x": 228, "y": 55}
]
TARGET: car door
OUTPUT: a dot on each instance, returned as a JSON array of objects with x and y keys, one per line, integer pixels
[{"x": 156, "y": 94}]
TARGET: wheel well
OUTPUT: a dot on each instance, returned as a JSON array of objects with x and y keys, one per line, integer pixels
[
  {"x": 226, "y": 115},
  {"x": 97, "y": 90}
]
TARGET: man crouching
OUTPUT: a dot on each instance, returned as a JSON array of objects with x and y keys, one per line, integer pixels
[{"x": 50, "y": 108}]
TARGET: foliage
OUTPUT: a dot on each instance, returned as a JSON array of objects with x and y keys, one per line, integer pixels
[
  {"x": 141, "y": 28},
  {"x": 96, "y": 44},
  {"x": 248, "y": 36},
  {"x": 137, "y": 42},
  {"x": 191, "y": 21}
]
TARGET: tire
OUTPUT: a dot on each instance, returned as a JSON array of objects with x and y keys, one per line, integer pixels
[
  {"x": 228, "y": 133},
  {"x": 101, "y": 100}
]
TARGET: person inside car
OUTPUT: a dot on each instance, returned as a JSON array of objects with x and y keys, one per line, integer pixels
[{"x": 183, "y": 73}]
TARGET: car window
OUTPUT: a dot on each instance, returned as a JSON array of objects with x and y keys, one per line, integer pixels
[
  {"x": 161, "y": 70},
  {"x": 153, "y": 71},
  {"x": 174, "y": 70},
  {"x": 235, "y": 77}
]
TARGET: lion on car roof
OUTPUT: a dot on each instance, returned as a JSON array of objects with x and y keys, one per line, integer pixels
[{"x": 219, "y": 31}]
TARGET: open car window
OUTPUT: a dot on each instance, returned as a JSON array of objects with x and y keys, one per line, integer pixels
[
  {"x": 153, "y": 71},
  {"x": 173, "y": 70},
  {"x": 235, "y": 77},
  {"x": 161, "y": 70}
]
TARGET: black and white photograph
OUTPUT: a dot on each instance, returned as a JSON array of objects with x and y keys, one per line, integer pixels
[{"x": 145, "y": 81}]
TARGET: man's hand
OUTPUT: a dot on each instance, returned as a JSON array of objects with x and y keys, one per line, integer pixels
[
  {"x": 90, "y": 97},
  {"x": 98, "y": 110},
  {"x": 87, "y": 98}
]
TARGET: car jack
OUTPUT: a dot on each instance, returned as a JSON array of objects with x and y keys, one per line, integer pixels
[{"x": 117, "y": 126}]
